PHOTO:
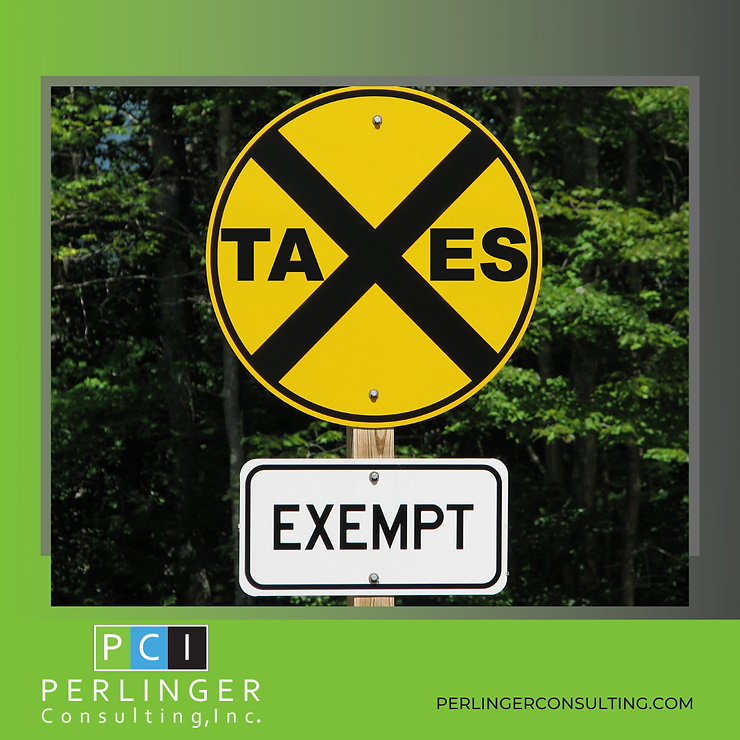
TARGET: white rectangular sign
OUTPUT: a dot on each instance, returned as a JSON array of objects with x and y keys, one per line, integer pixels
[{"x": 374, "y": 527}]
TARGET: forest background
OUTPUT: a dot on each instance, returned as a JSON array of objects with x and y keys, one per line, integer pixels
[{"x": 152, "y": 415}]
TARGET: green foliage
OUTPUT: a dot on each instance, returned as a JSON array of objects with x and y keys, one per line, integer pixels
[
  {"x": 605, "y": 359},
  {"x": 319, "y": 440}
]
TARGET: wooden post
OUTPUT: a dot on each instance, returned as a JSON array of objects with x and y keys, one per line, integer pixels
[{"x": 370, "y": 443}]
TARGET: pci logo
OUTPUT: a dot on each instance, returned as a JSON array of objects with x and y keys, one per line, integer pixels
[{"x": 129, "y": 647}]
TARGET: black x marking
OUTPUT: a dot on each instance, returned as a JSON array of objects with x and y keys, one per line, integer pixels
[
  {"x": 320, "y": 521},
  {"x": 375, "y": 255}
]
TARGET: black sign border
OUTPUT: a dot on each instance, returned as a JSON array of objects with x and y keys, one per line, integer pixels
[{"x": 399, "y": 588}]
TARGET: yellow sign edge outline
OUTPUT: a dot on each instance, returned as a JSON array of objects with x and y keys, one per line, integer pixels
[{"x": 338, "y": 418}]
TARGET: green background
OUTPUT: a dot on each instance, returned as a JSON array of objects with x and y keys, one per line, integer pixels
[{"x": 364, "y": 672}]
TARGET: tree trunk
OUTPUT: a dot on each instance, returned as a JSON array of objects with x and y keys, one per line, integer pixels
[
  {"x": 634, "y": 454},
  {"x": 172, "y": 268},
  {"x": 631, "y": 518},
  {"x": 631, "y": 168},
  {"x": 554, "y": 460},
  {"x": 589, "y": 144},
  {"x": 230, "y": 392},
  {"x": 580, "y": 152},
  {"x": 237, "y": 457},
  {"x": 553, "y": 450},
  {"x": 584, "y": 484},
  {"x": 523, "y": 160},
  {"x": 584, "y": 377},
  {"x": 585, "y": 459}
]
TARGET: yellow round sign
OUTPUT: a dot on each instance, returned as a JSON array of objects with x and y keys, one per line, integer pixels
[{"x": 374, "y": 256}]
